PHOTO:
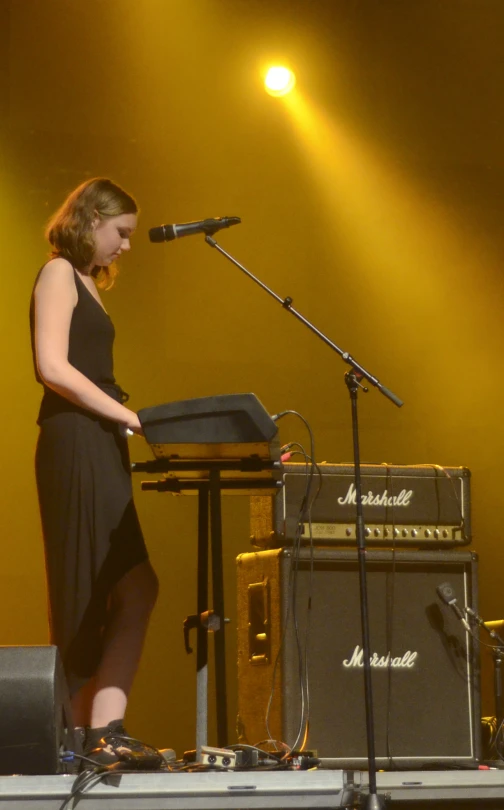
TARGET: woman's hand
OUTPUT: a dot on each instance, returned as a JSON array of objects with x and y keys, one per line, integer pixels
[{"x": 133, "y": 424}]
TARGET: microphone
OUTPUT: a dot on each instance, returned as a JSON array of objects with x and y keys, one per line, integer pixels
[
  {"x": 165, "y": 233},
  {"x": 447, "y": 595}
]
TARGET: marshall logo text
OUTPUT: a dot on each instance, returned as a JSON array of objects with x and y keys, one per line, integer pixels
[
  {"x": 406, "y": 661},
  {"x": 402, "y": 499}
]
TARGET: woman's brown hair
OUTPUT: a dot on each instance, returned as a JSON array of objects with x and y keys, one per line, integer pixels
[{"x": 70, "y": 229}]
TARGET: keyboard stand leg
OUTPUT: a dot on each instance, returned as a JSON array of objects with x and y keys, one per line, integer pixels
[
  {"x": 202, "y": 632},
  {"x": 218, "y": 602}
]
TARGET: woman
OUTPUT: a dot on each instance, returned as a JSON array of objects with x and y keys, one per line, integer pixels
[{"x": 100, "y": 583}]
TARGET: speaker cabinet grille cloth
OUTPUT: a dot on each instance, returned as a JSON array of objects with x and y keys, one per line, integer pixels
[{"x": 425, "y": 670}]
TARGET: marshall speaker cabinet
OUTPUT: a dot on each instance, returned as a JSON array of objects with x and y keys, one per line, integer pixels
[
  {"x": 419, "y": 506},
  {"x": 425, "y": 672}
]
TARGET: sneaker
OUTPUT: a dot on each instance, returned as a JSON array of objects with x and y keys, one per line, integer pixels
[{"x": 112, "y": 746}]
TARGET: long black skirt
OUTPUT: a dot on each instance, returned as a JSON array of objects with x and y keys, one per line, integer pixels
[{"x": 92, "y": 535}]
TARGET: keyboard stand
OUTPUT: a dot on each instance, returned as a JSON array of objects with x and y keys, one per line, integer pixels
[{"x": 209, "y": 491}]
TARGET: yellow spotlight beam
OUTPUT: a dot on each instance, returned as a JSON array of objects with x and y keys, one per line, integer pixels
[{"x": 410, "y": 248}]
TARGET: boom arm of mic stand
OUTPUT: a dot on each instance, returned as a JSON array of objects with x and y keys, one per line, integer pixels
[{"x": 286, "y": 303}]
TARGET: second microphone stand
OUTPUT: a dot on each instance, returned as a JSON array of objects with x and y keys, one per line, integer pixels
[
  {"x": 353, "y": 380},
  {"x": 498, "y": 658}
]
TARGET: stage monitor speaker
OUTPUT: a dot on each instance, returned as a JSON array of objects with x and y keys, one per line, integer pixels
[
  {"x": 35, "y": 711},
  {"x": 425, "y": 671}
]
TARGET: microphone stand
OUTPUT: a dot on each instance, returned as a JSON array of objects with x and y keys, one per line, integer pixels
[
  {"x": 498, "y": 658},
  {"x": 353, "y": 380}
]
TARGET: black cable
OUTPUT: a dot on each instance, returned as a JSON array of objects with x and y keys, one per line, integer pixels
[
  {"x": 390, "y": 594},
  {"x": 96, "y": 770},
  {"x": 303, "y": 516},
  {"x": 89, "y": 778},
  {"x": 291, "y": 606},
  {"x": 302, "y": 656},
  {"x": 438, "y": 468}
]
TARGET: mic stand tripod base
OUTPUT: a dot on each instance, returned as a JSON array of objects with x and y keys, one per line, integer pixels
[{"x": 375, "y": 802}]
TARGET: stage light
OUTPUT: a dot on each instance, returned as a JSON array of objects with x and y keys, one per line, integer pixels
[{"x": 279, "y": 81}]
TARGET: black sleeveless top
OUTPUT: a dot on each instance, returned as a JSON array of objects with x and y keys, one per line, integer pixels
[{"x": 90, "y": 351}]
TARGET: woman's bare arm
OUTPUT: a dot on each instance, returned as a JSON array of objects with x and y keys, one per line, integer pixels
[{"x": 55, "y": 299}]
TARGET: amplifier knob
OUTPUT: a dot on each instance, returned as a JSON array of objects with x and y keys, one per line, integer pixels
[
  {"x": 367, "y": 532},
  {"x": 396, "y": 532},
  {"x": 414, "y": 532},
  {"x": 427, "y": 532},
  {"x": 348, "y": 531},
  {"x": 436, "y": 534},
  {"x": 376, "y": 532},
  {"x": 385, "y": 532},
  {"x": 445, "y": 532},
  {"x": 404, "y": 532}
]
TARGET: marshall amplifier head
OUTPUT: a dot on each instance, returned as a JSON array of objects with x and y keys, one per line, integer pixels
[{"x": 420, "y": 506}]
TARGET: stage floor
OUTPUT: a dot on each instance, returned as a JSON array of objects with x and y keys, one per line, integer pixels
[
  {"x": 218, "y": 790},
  {"x": 213, "y": 790},
  {"x": 473, "y": 787}
]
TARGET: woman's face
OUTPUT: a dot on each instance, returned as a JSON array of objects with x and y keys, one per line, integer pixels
[{"x": 112, "y": 236}]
